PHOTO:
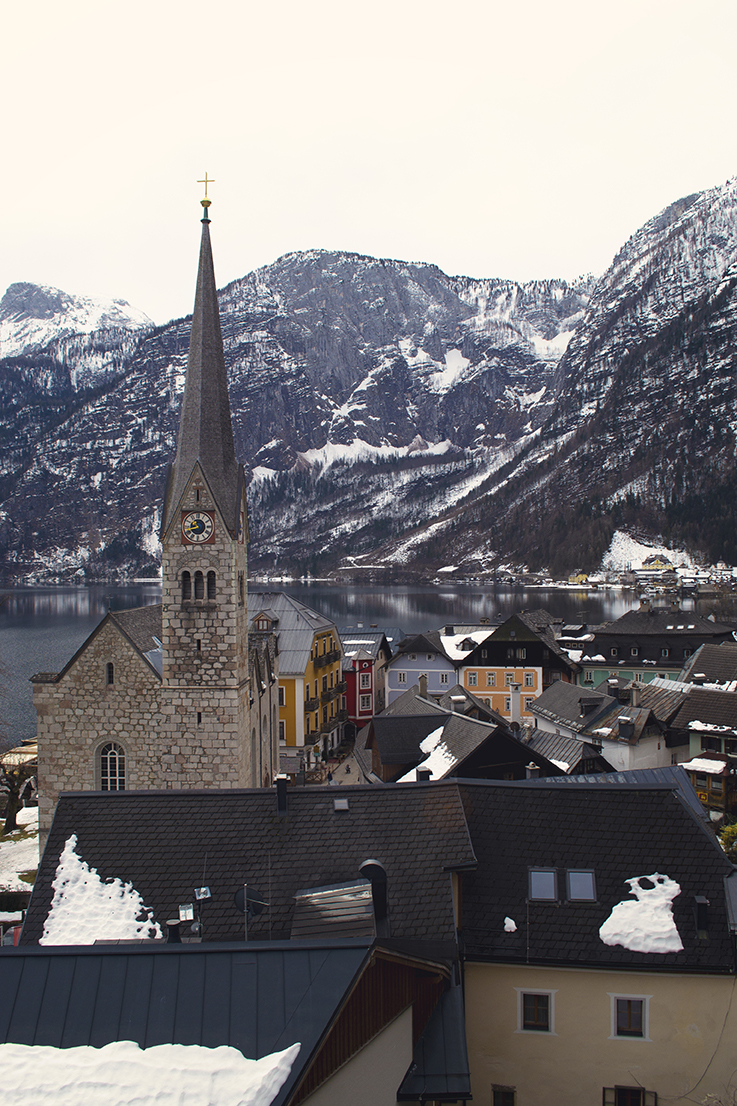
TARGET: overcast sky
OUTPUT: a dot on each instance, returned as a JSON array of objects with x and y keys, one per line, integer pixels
[{"x": 494, "y": 139}]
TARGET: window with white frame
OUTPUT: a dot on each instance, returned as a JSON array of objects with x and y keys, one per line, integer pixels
[
  {"x": 430, "y": 656},
  {"x": 529, "y": 700},
  {"x": 401, "y": 677},
  {"x": 472, "y": 679},
  {"x": 535, "y": 1011},
  {"x": 444, "y": 678},
  {"x": 588, "y": 675},
  {"x": 491, "y": 679},
  {"x": 282, "y": 731},
  {"x": 281, "y": 696},
  {"x": 529, "y": 679},
  {"x": 508, "y": 678},
  {"x": 112, "y": 767},
  {"x": 365, "y": 703},
  {"x": 507, "y": 706},
  {"x": 365, "y": 679},
  {"x": 630, "y": 1016}
]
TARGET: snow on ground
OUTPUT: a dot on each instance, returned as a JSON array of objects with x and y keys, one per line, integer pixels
[
  {"x": 19, "y": 852},
  {"x": 84, "y": 909},
  {"x": 121, "y": 1073},
  {"x": 627, "y": 552},
  {"x": 647, "y": 924}
]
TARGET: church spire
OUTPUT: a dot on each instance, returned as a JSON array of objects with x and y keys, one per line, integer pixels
[{"x": 205, "y": 428}]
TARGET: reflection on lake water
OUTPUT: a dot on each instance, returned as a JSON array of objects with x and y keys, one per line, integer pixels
[{"x": 41, "y": 628}]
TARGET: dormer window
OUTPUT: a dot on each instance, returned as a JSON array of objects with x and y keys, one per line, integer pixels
[{"x": 635, "y": 651}]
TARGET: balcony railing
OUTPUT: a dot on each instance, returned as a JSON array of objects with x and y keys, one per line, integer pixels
[
  {"x": 327, "y": 658},
  {"x": 312, "y": 704}
]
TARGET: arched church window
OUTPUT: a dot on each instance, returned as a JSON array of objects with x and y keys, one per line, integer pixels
[
  {"x": 186, "y": 585},
  {"x": 109, "y": 673},
  {"x": 112, "y": 767},
  {"x": 199, "y": 585},
  {"x": 211, "y": 590}
]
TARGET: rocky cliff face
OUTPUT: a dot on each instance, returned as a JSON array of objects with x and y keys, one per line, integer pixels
[{"x": 397, "y": 417}]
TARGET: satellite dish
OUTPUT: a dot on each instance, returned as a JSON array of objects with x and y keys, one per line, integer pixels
[{"x": 255, "y": 903}]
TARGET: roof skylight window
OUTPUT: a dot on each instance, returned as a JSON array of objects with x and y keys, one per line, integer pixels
[
  {"x": 543, "y": 884},
  {"x": 581, "y": 885}
]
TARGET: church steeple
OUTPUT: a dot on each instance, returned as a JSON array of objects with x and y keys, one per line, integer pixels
[{"x": 205, "y": 427}]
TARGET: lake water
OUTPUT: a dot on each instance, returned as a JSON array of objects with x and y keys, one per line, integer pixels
[{"x": 41, "y": 628}]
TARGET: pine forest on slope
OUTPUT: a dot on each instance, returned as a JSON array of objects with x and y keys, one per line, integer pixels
[{"x": 394, "y": 416}]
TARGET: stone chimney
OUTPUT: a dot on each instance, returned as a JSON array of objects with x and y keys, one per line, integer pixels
[{"x": 423, "y": 685}]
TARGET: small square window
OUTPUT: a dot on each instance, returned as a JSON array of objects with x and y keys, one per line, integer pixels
[
  {"x": 535, "y": 1012},
  {"x": 629, "y": 1096},
  {"x": 630, "y": 1016},
  {"x": 634, "y": 651},
  {"x": 614, "y": 651},
  {"x": 430, "y": 656},
  {"x": 543, "y": 884},
  {"x": 581, "y": 885}
]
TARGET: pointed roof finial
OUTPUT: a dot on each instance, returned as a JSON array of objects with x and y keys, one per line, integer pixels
[{"x": 206, "y": 203}]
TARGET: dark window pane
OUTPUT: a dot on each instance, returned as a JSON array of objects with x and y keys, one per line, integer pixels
[
  {"x": 581, "y": 886},
  {"x": 629, "y": 1017},
  {"x": 543, "y": 884},
  {"x": 535, "y": 1012}
]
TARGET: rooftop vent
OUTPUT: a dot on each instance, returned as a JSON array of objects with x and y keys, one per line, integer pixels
[
  {"x": 532, "y": 771},
  {"x": 375, "y": 872},
  {"x": 281, "y": 794},
  {"x": 423, "y": 775},
  {"x": 340, "y": 804}
]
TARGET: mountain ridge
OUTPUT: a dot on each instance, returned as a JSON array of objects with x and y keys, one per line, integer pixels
[{"x": 394, "y": 416}]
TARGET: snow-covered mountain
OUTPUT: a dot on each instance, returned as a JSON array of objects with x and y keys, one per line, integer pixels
[
  {"x": 395, "y": 416},
  {"x": 33, "y": 315}
]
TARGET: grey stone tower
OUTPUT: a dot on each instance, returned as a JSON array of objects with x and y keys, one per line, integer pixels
[{"x": 205, "y": 689}]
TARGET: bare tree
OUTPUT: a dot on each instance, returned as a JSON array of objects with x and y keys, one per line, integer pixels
[{"x": 17, "y": 768}]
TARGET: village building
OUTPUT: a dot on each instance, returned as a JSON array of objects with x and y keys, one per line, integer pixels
[
  {"x": 311, "y": 687},
  {"x": 554, "y": 940},
  {"x": 366, "y": 654},
  {"x": 645, "y": 644},
  {"x": 175, "y": 695}
]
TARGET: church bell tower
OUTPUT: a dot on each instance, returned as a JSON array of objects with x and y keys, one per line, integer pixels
[{"x": 205, "y": 690}]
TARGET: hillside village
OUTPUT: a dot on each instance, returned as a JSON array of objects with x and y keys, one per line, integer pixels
[{"x": 477, "y": 864}]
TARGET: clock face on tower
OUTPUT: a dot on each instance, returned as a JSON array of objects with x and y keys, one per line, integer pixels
[{"x": 197, "y": 527}]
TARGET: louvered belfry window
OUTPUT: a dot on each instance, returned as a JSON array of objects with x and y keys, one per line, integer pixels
[{"x": 112, "y": 767}]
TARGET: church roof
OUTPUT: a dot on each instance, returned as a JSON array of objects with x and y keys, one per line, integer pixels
[{"x": 205, "y": 428}]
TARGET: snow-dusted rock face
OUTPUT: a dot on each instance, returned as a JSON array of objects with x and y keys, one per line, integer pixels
[
  {"x": 395, "y": 416},
  {"x": 33, "y": 315}
]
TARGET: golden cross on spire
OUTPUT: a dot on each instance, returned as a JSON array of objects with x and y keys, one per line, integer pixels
[{"x": 206, "y": 182}]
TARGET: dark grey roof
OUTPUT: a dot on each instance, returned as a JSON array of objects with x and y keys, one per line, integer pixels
[
  {"x": 618, "y": 831},
  {"x": 411, "y": 702},
  {"x": 718, "y": 663},
  {"x": 561, "y": 703},
  {"x": 717, "y": 708},
  {"x": 562, "y": 750},
  {"x": 440, "y": 1068},
  {"x": 663, "y": 697},
  {"x": 168, "y": 842},
  {"x": 671, "y": 775},
  {"x": 461, "y": 701},
  {"x": 491, "y": 832},
  {"x": 665, "y": 623},
  {"x": 398, "y": 738},
  {"x": 205, "y": 428},
  {"x": 429, "y": 642}
]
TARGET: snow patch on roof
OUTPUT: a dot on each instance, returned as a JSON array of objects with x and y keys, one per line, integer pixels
[
  {"x": 510, "y": 926},
  {"x": 647, "y": 924},
  {"x": 85, "y": 910},
  {"x": 122, "y": 1073},
  {"x": 705, "y": 764}
]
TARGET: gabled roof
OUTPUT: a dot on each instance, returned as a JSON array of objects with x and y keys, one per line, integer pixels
[
  {"x": 430, "y": 642},
  {"x": 398, "y": 737},
  {"x": 411, "y": 702},
  {"x": 140, "y": 626},
  {"x": 717, "y": 708},
  {"x": 296, "y": 627},
  {"x": 717, "y": 663},
  {"x": 367, "y": 641},
  {"x": 566, "y": 752},
  {"x": 461, "y": 701},
  {"x": 562, "y": 703},
  {"x": 664, "y": 698}
]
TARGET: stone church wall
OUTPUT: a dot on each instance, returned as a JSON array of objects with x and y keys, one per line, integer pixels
[{"x": 80, "y": 712}]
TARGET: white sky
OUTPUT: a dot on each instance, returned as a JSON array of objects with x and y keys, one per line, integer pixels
[{"x": 494, "y": 139}]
